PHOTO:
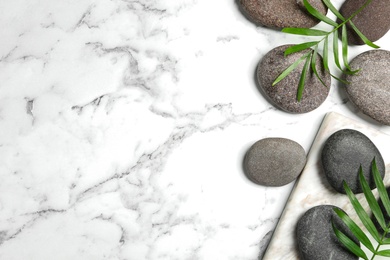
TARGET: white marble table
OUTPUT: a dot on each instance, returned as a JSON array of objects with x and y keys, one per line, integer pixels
[{"x": 123, "y": 129}]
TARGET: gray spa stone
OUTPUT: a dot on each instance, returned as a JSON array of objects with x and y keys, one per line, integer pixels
[
  {"x": 280, "y": 13},
  {"x": 343, "y": 153},
  {"x": 316, "y": 238},
  {"x": 369, "y": 89},
  {"x": 284, "y": 94},
  {"x": 274, "y": 161},
  {"x": 373, "y": 21}
]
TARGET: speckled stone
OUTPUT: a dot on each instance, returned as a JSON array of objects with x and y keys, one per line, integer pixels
[
  {"x": 373, "y": 21},
  {"x": 284, "y": 94},
  {"x": 369, "y": 89},
  {"x": 280, "y": 13},
  {"x": 343, "y": 153},
  {"x": 316, "y": 238},
  {"x": 274, "y": 161}
]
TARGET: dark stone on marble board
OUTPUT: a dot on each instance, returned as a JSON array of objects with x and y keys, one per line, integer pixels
[
  {"x": 373, "y": 21},
  {"x": 274, "y": 161},
  {"x": 343, "y": 153},
  {"x": 284, "y": 94},
  {"x": 369, "y": 89},
  {"x": 280, "y": 13},
  {"x": 316, "y": 238}
]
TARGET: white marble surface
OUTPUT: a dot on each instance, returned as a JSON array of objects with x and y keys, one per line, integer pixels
[{"x": 123, "y": 128}]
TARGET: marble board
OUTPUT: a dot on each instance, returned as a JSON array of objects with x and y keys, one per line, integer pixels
[{"x": 312, "y": 188}]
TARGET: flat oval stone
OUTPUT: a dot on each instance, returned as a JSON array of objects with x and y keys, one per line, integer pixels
[
  {"x": 369, "y": 89},
  {"x": 280, "y": 13},
  {"x": 373, "y": 21},
  {"x": 284, "y": 94},
  {"x": 343, "y": 153},
  {"x": 316, "y": 238},
  {"x": 274, "y": 161}
]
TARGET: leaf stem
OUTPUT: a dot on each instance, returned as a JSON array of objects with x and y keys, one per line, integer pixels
[{"x": 385, "y": 233}]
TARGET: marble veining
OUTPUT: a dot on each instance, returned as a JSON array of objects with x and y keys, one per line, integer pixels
[{"x": 123, "y": 129}]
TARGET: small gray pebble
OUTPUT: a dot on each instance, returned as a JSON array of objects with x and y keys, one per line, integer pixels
[
  {"x": 280, "y": 13},
  {"x": 274, "y": 161},
  {"x": 315, "y": 236},
  {"x": 373, "y": 21},
  {"x": 284, "y": 94},
  {"x": 343, "y": 153},
  {"x": 369, "y": 89}
]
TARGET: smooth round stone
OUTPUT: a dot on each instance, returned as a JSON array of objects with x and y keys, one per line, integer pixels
[
  {"x": 373, "y": 21},
  {"x": 369, "y": 89},
  {"x": 343, "y": 153},
  {"x": 316, "y": 238},
  {"x": 274, "y": 161},
  {"x": 284, "y": 94},
  {"x": 280, "y": 13}
]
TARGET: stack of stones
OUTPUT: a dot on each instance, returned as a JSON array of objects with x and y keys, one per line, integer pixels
[{"x": 369, "y": 89}]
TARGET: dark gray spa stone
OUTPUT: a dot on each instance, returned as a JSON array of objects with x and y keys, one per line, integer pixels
[
  {"x": 284, "y": 94},
  {"x": 316, "y": 238},
  {"x": 343, "y": 153},
  {"x": 373, "y": 21},
  {"x": 280, "y": 13},
  {"x": 369, "y": 89},
  {"x": 274, "y": 161}
]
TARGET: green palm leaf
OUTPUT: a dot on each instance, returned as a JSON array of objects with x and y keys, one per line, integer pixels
[
  {"x": 336, "y": 50},
  {"x": 325, "y": 56},
  {"x": 317, "y": 14},
  {"x": 340, "y": 55},
  {"x": 299, "y": 47},
  {"x": 305, "y": 31},
  {"x": 339, "y": 79},
  {"x": 362, "y": 36},
  {"x": 302, "y": 79},
  {"x": 333, "y": 9},
  {"x": 314, "y": 67},
  {"x": 355, "y": 229},
  {"x": 384, "y": 253},
  {"x": 381, "y": 187},
  {"x": 349, "y": 244},
  {"x": 362, "y": 214},
  {"x": 372, "y": 202},
  {"x": 289, "y": 69},
  {"x": 344, "y": 44},
  {"x": 386, "y": 241}
]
